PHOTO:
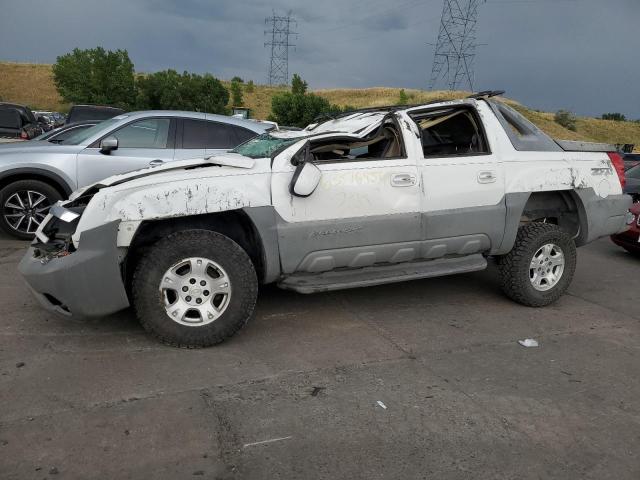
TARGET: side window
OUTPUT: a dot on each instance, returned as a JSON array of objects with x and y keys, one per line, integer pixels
[
  {"x": 242, "y": 134},
  {"x": 68, "y": 133},
  {"x": 385, "y": 144},
  {"x": 205, "y": 134},
  {"x": 148, "y": 133},
  {"x": 450, "y": 132}
]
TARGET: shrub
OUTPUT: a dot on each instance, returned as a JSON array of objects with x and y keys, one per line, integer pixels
[
  {"x": 403, "y": 99},
  {"x": 617, "y": 117},
  {"x": 566, "y": 119},
  {"x": 96, "y": 76},
  {"x": 250, "y": 86},
  {"x": 236, "y": 93},
  {"x": 298, "y": 86},
  {"x": 170, "y": 90},
  {"x": 298, "y": 108}
]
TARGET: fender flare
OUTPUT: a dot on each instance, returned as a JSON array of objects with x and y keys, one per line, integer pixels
[
  {"x": 517, "y": 202},
  {"x": 26, "y": 171}
]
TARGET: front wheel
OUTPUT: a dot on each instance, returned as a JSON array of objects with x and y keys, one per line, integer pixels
[
  {"x": 540, "y": 267},
  {"x": 194, "y": 288},
  {"x": 24, "y": 204}
]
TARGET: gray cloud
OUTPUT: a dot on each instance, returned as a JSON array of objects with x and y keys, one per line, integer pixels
[{"x": 575, "y": 54}]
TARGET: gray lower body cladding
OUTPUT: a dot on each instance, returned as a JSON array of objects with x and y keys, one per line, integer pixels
[
  {"x": 85, "y": 283},
  {"x": 601, "y": 216},
  {"x": 362, "y": 242}
]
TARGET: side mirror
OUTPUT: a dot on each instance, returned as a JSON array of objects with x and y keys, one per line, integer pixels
[
  {"x": 306, "y": 179},
  {"x": 107, "y": 145}
]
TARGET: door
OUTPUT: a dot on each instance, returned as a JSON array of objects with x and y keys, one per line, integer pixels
[
  {"x": 463, "y": 200},
  {"x": 365, "y": 211},
  {"x": 141, "y": 143}
]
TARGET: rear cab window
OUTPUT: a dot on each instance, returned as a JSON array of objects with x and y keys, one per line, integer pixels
[{"x": 455, "y": 131}]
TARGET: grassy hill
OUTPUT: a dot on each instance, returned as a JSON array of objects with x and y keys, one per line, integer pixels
[{"x": 32, "y": 84}]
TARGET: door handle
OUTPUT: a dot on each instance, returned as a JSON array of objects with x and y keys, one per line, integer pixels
[
  {"x": 403, "y": 180},
  {"x": 486, "y": 176},
  {"x": 156, "y": 162}
]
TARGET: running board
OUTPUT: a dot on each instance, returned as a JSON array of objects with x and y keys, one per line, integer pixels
[{"x": 379, "y": 275}]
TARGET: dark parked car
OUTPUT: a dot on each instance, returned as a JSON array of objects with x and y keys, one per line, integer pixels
[
  {"x": 630, "y": 240},
  {"x": 13, "y": 125},
  {"x": 29, "y": 124},
  {"x": 632, "y": 186},
  {"x": 631, "y": 160},
  {"x": 81, "y": 113},
  {"x": 60, "y": 134},
  {"x": 45, "y": 122}
]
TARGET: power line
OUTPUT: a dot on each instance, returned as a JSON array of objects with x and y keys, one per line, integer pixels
[
  {"x": 278, "y": 40},
  {"x": 456, "y": 47}
]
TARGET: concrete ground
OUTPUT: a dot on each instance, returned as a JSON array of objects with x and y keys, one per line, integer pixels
[{"x": 296, "y": 394}]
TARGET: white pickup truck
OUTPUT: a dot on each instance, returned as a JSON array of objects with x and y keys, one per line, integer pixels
[{"x": 370, "y": 197}]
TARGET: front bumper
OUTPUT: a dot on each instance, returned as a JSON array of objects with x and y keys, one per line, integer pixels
[{"x": 85, "y": 283}]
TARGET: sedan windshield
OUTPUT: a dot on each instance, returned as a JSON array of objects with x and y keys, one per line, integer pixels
[
  {"x": 263, "y": 146},
  {"x": 79, "y": 137}
]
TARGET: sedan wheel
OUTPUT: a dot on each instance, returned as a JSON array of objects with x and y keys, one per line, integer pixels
[
  {"x": 24, "y": 205},
  {"x": 25, "y": 210}
]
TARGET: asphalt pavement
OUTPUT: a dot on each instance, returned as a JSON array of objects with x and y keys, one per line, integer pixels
[{"x": 415, "y": 380}]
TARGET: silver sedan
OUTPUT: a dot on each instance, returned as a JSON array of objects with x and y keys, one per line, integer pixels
[{"x": 36, "y": 174}]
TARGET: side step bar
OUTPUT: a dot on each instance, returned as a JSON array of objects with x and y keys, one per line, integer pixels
[{"x": 379, "y": 275}]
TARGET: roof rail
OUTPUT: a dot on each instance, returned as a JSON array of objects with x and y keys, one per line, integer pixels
[{"x": 486, "y": 94}]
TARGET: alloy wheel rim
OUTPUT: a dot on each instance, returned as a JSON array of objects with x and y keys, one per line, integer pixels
[
  {"x": 546, "y": 267},
  {"x": 25, "y": 210},
  {"x": 195, "y": 291}
]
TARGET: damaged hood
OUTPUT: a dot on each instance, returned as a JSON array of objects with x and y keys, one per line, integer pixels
[{"x": 220, "y": 160}]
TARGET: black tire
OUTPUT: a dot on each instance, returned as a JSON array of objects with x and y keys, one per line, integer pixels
[
  {"x": 51, "y": 194},
  {"x": 514, "y": 266},
  {"x": 148, "y": 300}
]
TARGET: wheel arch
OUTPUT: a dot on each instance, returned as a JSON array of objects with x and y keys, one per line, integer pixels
[
  {"x": 46, "y": 176},
  {"x": 248, "y": 227},
  {"x": 564, "y": 208}
]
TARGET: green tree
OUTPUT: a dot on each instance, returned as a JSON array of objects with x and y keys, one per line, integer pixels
[
  {"x": 96, "y": 76},
  {"x": 237, "y": 79},
  {"x": 236, "y": 93},
  {"x": 170, "y": 90},
  {"x": 617, "y": 117},
  {"x": 403, "y": 99},
  {"x": 298, "y": 108},
  {"x": 298, "y": 86},
  {"x": 566, "y": 119},
  {"x": 250, "y": 86}
]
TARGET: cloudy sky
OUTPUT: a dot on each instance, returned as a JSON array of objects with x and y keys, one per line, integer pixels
[{"x": 581, "y": 55}]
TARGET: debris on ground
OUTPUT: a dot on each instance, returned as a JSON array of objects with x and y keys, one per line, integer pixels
[
  {"x": 20, "y": 364},
  {"x": 316, "y": 391},
  {"x": 528, "y": 342},
  {"x": 381, "y": 404}
]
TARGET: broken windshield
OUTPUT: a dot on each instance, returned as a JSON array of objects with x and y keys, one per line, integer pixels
[{"x": 264, "y": 146}]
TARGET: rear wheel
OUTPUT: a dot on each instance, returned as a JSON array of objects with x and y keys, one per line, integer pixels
[
  {"x": 24, "y": 205},
  {"x": 540, "y": 267},
  {"x": 194, "y": 288}
]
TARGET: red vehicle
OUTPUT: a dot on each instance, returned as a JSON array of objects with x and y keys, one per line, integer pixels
[{"x": 630, "y": 240}]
